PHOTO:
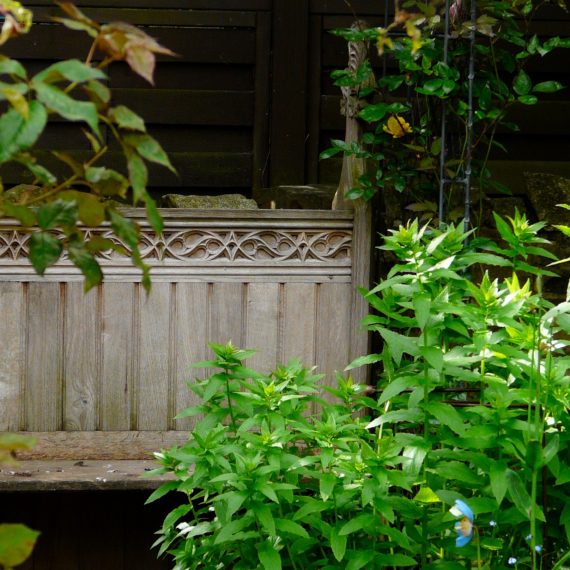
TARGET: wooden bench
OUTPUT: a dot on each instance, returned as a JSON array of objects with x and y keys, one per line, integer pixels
[{"x": 97, "y": 378}]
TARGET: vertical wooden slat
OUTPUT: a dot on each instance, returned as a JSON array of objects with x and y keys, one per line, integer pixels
[
  {"x": 153, "y": 379},
  {"x": 314, "y": 98},
  {"x": 333, "y": 329},
  {"x": 361, "y": 271},
  {"x": 299, "y": 327},
  {"x": 11, "y": 355},
  {"x": 261, "y": 111},
  {"x": 116, "y": 376},
  {"x": 191, "y": 340},
  {"x": 288, "y": 128},
  {"x": 44, "y": 375},
  {"x": 81, "y": 358},
  {"x": 263, "y": 325},
  {"x": 226, "y": 313}
]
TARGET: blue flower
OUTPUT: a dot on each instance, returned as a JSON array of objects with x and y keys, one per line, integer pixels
[{"x": 464, "y": 527}]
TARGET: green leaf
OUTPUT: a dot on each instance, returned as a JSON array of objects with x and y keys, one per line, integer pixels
[
  {"x": 499, "y": 480},
  {"x": 338, "y": 544},
  {"x": 107, "y": 182},
  {"x": 162, "y": 490},
  {"x": 329, "y": 153},
  {"x": 397, "y": 387},
  {"x": 433, "y": 356},
  {"x": 72, "y": 70},
  {"x": 126, "y": 119},
  {"x": 84, "y": 260},
  {"x": 153, "y": 216},
  {"x": 265, "y": 517},
  {"x": 395, "y": 560},
  {"x": 67, "y": 107},
  {"x": 229, "y": 530},
  {"x": 422, "y": 307},
  {"x": 528, "y": 99},
  {"x": 18, "y": 134},
  {"x": 90, "y": 210},
  {"x": 520, "y": 496},
  {"x": 399, "y": 344},
  {"x": 57, "y": 214},
  {"x": 45, "y": 250},
  {"x": 522, "y": 83},
  {"x": 12, "y": 67},
  {"x": 447, "y": 415},
  {"x": 138, "y": 175},
  {"x": 364, "y": 360},
  {"x": 125, "y": 229},
  {"x": 16, "y": 544},
  {"x": 25, "y": 215},
  {"x": 359, "y": 559},
  {"x": 374, "y": 113},
  {"x": 149, "y": 149},
  {"x": 268, "y": 556},
  {"x": 290, "y": 527},
  {"x": 427, "y": 496},
  {"x": 547, "y": 87},
  {"x": 326, "y": 485}
]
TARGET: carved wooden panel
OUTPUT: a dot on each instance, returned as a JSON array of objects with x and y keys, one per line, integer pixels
[{"x": 117, "y": 360}]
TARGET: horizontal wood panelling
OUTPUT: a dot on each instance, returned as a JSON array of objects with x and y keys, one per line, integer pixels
[
  {"x": 182, "y": 4},
  {"x": 358, "y": 7},
  {"x": 174, "y": 74},
  {"x": 198, "y": 45},
  {"x": 218, "y": 169},
  {"x": 176, "y": 106},
  {"x": 157, "y": 17}
]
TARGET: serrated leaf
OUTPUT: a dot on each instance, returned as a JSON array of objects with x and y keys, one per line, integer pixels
[
  {"x": 152, "y": 214},
  {"x": 87, "y": 264},
  {"x": 45, "y": 250},
  {"x": 364, "y": 360},
  {"x": 522, "y": 83},
  {"x": 547, "y": 87},
  {"x": 150, "y": 149},
  {"x": 138, "y": 175},
  {"x": 107, "y": 182},
  {"x": 126, "y": 119},
  {"x": 67, "y": 107},
  {"x": 399, "y": 344},
  {"x": 57, "y": 214},
  {"x": 16, "y": 544},
  {"x": 125, "y": 229},
  {"x": 397, "y": 387},
  {"x": 18, "y": 134}
]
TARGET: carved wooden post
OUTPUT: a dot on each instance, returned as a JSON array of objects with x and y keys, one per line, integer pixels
[{"x": 352, "y": 167}]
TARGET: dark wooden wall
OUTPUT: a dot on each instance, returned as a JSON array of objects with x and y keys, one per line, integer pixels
[{"x": 249, "y": 101}]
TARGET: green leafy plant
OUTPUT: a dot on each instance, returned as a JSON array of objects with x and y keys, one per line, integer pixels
[
  {"x": 55, "y": 210},
  {"x": 16, "y": 540},
  {"x": 421, "y": 89},
  {"x": 460, "y": 460}
]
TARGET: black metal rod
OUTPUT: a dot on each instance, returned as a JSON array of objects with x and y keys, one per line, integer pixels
[
  {"x": 469, "y": 131},
  {"x": 443, "y": 151}
]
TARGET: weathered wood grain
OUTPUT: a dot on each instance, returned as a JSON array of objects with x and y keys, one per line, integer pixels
[
  {"x": 11, "y": 354},
  {"x": 119, "y": 327},
  {"x": 226, "y": 304},
  {"x": 100, "y": 445},
  {"x": 43, "y": 389},
  {"x": 153, "y": 378},
  {"x": 263, "y": 324},
  {"x": 333, "y": 329},
  {"x": 82, "y": 357},
  {"x": 190, "y": 338},
  {"x": 299, "y": 323},
  {"x": 62, "y": 475}
]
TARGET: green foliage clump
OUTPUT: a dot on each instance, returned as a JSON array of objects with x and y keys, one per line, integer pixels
[
  {"x": 471, "y": 405},
  {"x": 422, "y": 88},
  {"x": 55, "y": 209}
]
